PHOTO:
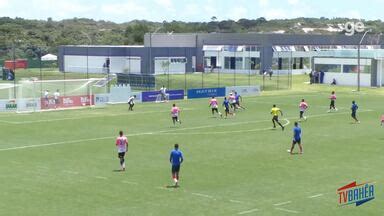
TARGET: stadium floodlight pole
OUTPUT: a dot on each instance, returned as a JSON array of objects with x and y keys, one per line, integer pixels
[
  {"x": 89, "y": 43},
  {"x": 14, "y": 66},
  {"x": 14, "y": 69},
  {"x": 358, "y": 58},
  {"x": 150, "y": 47},
  {"x": 249, "y": 65},
  {"x": 41, "y": 74}
]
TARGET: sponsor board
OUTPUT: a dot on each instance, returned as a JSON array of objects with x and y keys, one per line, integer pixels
[
  {"x": 101, "y": 99},
  {"x": 67, "y": 101},
  {"x": 8, "y": 105},
  {"x": 152, "y": 95},
  {"x": 243, "y": 90},
  {"x": 206, "y": 92},
  {"x": 28, "y": 104}
]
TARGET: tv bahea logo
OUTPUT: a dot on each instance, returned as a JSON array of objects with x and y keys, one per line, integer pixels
[{"x": 358, "y": 194}]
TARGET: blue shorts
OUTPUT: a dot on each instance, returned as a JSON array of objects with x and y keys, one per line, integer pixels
[
  {"x": 294, "y": 141},
  {"x": 175, "y": 168}
]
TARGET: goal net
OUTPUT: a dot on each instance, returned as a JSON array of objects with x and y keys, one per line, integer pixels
[{"x": 35, "y": 95}]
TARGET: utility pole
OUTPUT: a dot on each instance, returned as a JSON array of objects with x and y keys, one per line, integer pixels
[{"x": 358, "y": 58}]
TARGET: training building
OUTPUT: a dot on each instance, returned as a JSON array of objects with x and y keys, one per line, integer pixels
[{"x": 247, "y": 53}]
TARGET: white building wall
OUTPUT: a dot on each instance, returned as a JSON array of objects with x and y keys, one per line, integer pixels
[
  {"x": 172, "y": 68},
  {"x": 342, "y": 61},
  {"x": 347, "y": 79},
  {"x": 380, "y": 72},
  {"x": 118, "y": 64}
]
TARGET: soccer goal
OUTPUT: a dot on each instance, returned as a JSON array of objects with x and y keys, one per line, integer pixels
[
  {"x": 34, "y": 95},
  {"x": 162, "y": 98}
]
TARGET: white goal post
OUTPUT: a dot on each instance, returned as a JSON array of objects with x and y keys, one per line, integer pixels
[{"x": 36, "y": 95}]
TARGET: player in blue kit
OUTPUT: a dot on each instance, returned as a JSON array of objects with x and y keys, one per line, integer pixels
[
  {"x": 354, "y": 108},
  {"x": 296, "y": 138},
  {"x": 226, "y": 105},
  {"x": 176, "y": 158},
  {"x": 238, "y": 98}
]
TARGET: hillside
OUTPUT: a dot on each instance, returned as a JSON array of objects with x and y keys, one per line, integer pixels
[{"x": 30, "y": 36}]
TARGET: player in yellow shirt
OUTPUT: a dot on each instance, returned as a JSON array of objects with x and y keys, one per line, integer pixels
[{"x": 275, "y": 113}]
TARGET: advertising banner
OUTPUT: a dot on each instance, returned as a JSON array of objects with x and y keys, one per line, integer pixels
[
  {"x": 152, "y": 95},
  {"x": 101, "y": 99},
  {"x": 243, "y": 90},
  {"x": 28, "y": 104},
  {"x": 67, "y": 101},
  {"x": 8, "y": 105},
  {"x": 206, "y": 92}
]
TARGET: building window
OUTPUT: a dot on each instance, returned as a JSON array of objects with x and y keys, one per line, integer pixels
[
  {"x": 233, "y": 63},
  {"x": 252, "y": 63},
  {"x": 353, "y": 68},
  {"x": 239, "y": 63},
  {"x": 227, "y": 62},
  {"x": 336, "y": 68}
]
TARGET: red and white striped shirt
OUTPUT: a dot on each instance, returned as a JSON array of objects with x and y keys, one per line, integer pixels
[
  {"x": 121, "y": 143},
  {"x": 175, "y": 111},
  {"x": 303, "y": 106},
  {"x": 213, "y": 103}
]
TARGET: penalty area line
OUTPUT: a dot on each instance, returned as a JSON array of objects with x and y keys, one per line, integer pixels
[
  {"x": 203, "y": 195},
  {"x": 248, "y": 211},
  {"x": 287, "y": 210},
  {"x": 282, "y": 203},
  {"x": 129, "y": 182},
  {"x": 101, "y": 177},
  {"x": 222, "y": 132},
  {"x": 166, "y": 132},
  {"x": 314, "y": 196}
]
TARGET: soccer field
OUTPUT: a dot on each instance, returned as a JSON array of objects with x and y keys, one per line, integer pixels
[{"x": 65, "y": 162}]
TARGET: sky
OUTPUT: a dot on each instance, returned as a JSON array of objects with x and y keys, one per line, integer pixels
[{"x": 120, "y": 11}]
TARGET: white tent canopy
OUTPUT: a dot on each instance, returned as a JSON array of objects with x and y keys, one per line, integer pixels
[{"x": 49, "y": 57}]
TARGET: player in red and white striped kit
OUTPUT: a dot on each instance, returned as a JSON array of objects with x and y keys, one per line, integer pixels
[
  {"x": 122, "y": 148},
  {"x": 214, "y": 106},
  {"x": 303, "y": 106},
  {"x": 175, "y": 114},
  {"x": 333, "y": 100}
]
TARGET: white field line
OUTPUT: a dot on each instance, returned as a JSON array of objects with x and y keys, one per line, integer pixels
[
  {"x": 101, "y": 177},
  {"x": 314, "y": 196},
  {"x": 16, "y": 162},
  {"x": 297, "y": 105},
  {"x": 129, "y": 182},
  {"x": 203, "y": 195},
  {"x": 8, "y": 122},
  {"x": 161, "y": 188},
  {"x": 90, "y": 115},
  {"x": 282, "y": 203},
  {"x": 236, "y": 201},
  {"x": 70, "y": 172},
  {"x": 163, "y": 131},
  {"x": 55, "y": 143},
  {"x": 248, "y": 211},
  {"x": 287, "y": 210},
  {"x": 42, "y": 167},
  {"x": 247, "y": 122},
  {"x": 129, "y": 135},
  {"x": 224, "y": 132}
]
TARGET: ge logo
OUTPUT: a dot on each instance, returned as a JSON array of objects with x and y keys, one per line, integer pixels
[{"x": 350, "y": 28}]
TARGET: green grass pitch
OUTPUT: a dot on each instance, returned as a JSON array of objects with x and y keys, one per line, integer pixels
[{"x": 64, "y": 162}]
